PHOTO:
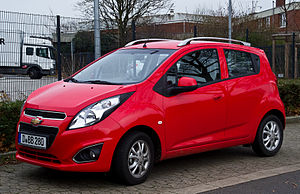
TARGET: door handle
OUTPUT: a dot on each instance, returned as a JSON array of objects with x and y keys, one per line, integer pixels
[{"x": 218, "y": 97}]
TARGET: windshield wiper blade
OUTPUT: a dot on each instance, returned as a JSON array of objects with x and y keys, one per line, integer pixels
[
  {"x": 71, "y": 79},
  {"x": 101, "y": 82}
]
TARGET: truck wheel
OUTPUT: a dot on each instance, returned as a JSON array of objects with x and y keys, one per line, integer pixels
[
  {"x": 34, "y": 73},
  {"x": 269, "y": 136},
  {"x": 133, "y": 159}
]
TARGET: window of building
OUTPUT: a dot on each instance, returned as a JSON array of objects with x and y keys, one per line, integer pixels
[
  {"x": 282, "y": 20},
  {"x": 268, "y": 22}
]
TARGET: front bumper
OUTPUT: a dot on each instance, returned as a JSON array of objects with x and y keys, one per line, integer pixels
[
  {"x": 67, "y": 143},
  {"x": 49, "y": 72}
]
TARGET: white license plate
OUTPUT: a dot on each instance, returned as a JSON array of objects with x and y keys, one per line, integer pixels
[{"x": 32, "y": 141}]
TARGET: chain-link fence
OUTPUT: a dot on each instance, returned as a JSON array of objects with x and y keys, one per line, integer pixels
[
  {"x": 29, "y": 45},
  {"x": 28, "y": 50}
]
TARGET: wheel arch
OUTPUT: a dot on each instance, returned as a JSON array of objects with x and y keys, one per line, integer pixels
[
  {"x": 151, "y": 133},
  {"x": 33, "y": 66},
  {"x": 278, "y": 114}
]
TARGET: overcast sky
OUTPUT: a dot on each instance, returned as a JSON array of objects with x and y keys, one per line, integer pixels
[{"x": 66, "y": 7}]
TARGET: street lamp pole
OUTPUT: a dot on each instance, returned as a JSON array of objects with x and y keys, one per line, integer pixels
[
  {"x": 97, "y": 30},
  {"x": 229, "y": 18}
]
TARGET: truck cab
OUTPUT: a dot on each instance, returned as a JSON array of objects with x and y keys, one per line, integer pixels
[{"x": 38, "y": 57}]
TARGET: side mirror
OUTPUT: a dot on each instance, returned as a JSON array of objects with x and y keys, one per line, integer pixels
[
  {"x": 185, "y": 84},
  {"x": 187, "y": 81}
]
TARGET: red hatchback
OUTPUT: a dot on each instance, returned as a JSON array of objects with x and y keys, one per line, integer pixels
[{"x": 152, "y": 100}]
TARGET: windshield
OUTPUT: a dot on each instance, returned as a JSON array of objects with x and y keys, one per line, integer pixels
[{"x": 123, "y": 66}]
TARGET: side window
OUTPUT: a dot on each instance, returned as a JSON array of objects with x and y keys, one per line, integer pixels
[
  {"x": 202, "y": 65},
  {"x": 29, "y": 51},
  {"x": 241, "y": 63},
  {"x": 42, "y": 52}
]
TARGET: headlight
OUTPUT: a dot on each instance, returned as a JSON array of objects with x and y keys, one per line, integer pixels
[{"x": 98, "y": 111}]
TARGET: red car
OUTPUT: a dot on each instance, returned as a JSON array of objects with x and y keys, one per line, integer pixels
[{"x": 152, "y": 100}]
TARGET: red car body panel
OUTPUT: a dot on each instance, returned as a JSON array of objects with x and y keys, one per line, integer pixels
[{"x": 218, "y": 115}]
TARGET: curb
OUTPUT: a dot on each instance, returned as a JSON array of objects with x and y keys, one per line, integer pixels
[
  {"x": 293, "y": 119},
  {"x": 7, "y": 153},
  {"x": 205, "y": 187}
]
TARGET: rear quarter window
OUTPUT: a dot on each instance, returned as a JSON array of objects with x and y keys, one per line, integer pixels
[{"x": 241, "y": 63}]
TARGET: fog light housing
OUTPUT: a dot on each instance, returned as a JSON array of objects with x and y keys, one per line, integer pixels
[{"x": 88, "y": 154}]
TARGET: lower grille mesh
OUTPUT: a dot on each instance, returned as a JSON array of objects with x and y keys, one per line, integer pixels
[{"x": 38, "y": 156}]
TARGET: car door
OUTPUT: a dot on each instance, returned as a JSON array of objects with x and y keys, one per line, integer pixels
[
  {"x": 43, "y": 57},
  {"x": 197, "y": 117},
  {"x": 245, "y": 92}
]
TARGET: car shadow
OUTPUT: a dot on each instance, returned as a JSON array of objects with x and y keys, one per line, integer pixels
[{"x": 160, "y": 172}]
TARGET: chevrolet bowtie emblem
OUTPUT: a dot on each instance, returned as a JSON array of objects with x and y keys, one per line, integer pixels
[{"x": 36, "y": 121}]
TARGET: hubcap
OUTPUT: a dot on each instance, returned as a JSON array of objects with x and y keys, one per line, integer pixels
[
  {"x": 271, "y": 135},
  {"x": 139, "y": 159}
]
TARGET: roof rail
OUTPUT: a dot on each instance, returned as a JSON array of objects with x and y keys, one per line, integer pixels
[
  {"x": 144, "y": 41},
  {"x": 188, "y": 41}
]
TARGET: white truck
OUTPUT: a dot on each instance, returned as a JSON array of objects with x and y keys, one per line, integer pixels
[{"x": 20, "y": 54}]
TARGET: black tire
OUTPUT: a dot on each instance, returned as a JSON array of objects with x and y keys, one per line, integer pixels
[
  {"x": 35, "y": 73},
  {"x": 121, "y": 162},
  {"x": 262, "y": 148}
]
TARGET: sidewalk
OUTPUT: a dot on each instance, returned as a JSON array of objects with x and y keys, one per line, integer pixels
[{"x": 285, "y": 183}]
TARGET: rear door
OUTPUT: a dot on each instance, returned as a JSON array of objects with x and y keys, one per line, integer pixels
[
  {"x": 197, "y": 117},
  {"x": 244, "y": 91}
]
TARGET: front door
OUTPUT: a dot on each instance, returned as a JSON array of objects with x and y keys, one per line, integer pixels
[{"x": 197, "y": 117}]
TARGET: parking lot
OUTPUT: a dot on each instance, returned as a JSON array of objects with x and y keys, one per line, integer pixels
[
  {"x": 172, "y": 176},
  {"x": 19, "y": 87}
]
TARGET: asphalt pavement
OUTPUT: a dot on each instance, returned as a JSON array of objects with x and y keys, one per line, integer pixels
[{"x": 288, "y": 183}]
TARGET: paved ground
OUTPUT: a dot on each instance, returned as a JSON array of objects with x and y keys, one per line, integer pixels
[
  {"x": 190, "y": 174},
  {"x": 285, "y": 183}
]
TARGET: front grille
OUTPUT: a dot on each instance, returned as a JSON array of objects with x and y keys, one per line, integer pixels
[
  {"x": 38, "y": 155},
  {"x": 45, "y": 114},
  {"x": 45, "y": 131}
]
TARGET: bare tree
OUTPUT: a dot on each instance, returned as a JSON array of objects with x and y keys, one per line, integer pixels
[
  {"x": 215, "y": 22},
  {"x": 120, "y": 13},
  {"x": 287, "y": 7}
]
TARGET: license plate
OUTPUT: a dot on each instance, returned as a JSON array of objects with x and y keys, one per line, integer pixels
[{"x": 32, "y": 141}]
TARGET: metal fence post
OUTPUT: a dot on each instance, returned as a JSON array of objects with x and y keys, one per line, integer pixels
[
  {"x": 293, "y": 52},
  {"x": 195, "y": 31},
  {"x": 58, "y": 48},
  {"x": 133, "y": 29}
]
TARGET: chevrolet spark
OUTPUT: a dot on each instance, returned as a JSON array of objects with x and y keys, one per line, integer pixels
[{"x": 153, "y": 100}]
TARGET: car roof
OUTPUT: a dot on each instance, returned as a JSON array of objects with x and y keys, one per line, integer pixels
[{"x": 173, "y": 44}]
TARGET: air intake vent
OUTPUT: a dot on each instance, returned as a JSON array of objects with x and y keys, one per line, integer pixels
[
  {"x": 38, "y": 156},
  {"x": 45, "y": 114}
]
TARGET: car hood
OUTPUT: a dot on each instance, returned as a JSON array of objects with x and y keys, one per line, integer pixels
[{"x": 71, "y": 97}]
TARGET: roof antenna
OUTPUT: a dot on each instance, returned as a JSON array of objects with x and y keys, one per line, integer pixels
[{"x": 145, "y": 45}]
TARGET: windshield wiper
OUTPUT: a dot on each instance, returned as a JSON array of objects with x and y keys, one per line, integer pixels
[
  {"x": 71, "y": 79},
  {"x": 101, "y": 82}
]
